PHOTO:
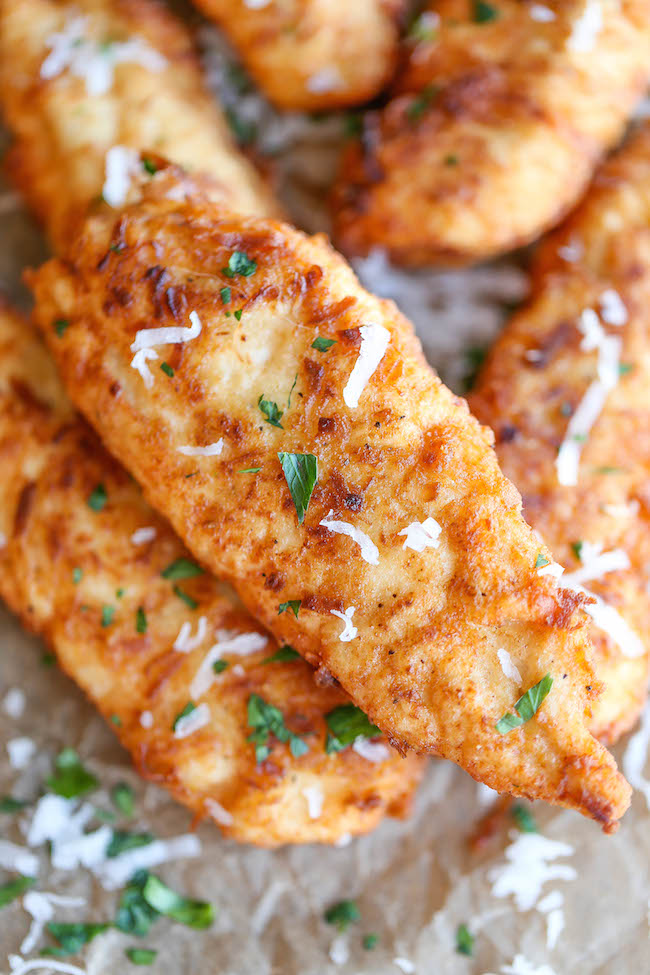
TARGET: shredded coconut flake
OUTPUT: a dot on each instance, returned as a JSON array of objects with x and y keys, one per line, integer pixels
[
  {"x": 195, "y": 720},
  {"x": 374, "y": 342},
  {"x": 218, "y": 813},
  {"x": 40, "y": 905},
  {"x": 612, "y": 308},
  {"x": 369, "y": 551},
  {"x": 18, "y": 858},
  {"x": 315, "y": 798},
  {"x": 636, "y": 756},
  {"x": 143, "y": 535},
  {"x": 551, "y": 906},
  {"x": 542, "y": 14},
  {"x": 421, "y": 535},
  {"x": 228, "y": 644},
  {"x": 115, "y": 871},
  {"x": 485, "y": 795},
  {"x": 508, "y": 667},
  {"x": 572, "y": 251},
  {"x": 122, "y": 165},
  {"x": 21, "y": 967},
  {"x": 344, "y": 840},
  {"x": 521, "y": 966},
  {"x": 210, "y": 450},
  {"x": 146, "y": 719},
  {"x": 405, "y": 965},
  {"x": 586, "y": 28},
  {"x": 185, "y": 642},
  {"x": 340, "y": 950},
  {"x": 350, "y": 630},
  {"x": 256, "y": 4},
  {"x": 372, "y": 751},
  {"x": 146, "y": 338},
  {"x": 528, "y": 868},
  {"x": 14, "y": 702},
  {"x": 20, "y": 752},
  {"x": 553, "y": 569},
  {"x": 327, "y": 79}
]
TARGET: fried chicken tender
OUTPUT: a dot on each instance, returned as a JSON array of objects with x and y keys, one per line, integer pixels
[
  {"x": 305, "y": 451},
  {"x": 89, "y": 577},
  {"x": 495, "y": 127},
  {"x": 591, "y": 294},
  {"x": 79, "y": 79},
  {"x": 314, "y": 55}
]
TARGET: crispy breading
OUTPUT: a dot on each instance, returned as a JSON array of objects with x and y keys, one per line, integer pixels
[
  {"x": 63, "y": 561},
  {"x": 63, "y": 133},
  {"x": 314, "y": 55},
  {"x": 536, "y": 376},
  {"x": 494, "y": 129},
  {"x": 422, "y": 659}
]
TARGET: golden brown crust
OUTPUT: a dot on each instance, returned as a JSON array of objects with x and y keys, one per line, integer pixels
[
  {"x": 424, "y": 663},
  {"x": 51, "y": 463},
  {"x": 536, "y": 375},
  {"x": 314, "y": 56},
  {"x": 62, "y": 133},
  {"x": 494, "y": 129}
]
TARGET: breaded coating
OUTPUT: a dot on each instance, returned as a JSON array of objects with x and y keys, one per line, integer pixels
[
  {"x": 83, "y": 565},
  {"x": 497, "y": 122},
  {"x": 314, "y": 55},
  {"x": 78, "y": 79},
  {"x": 584, "y": 338},
  {"x": 305, "y": 451}
]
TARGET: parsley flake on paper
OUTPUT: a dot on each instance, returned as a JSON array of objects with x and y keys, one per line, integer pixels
[
  {"x": 15, "y": 888},
  {"x": 70, "y": 778},
  {"x": 342, "y": 914},
  {"x": 464, "y": 941}
]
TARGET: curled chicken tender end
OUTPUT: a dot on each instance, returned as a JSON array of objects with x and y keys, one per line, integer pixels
[
  {"x": 310, "y": 55},
  {"x": 72, "y": 143},
  {"x": 421, "y": 656},
  {"x": 495, "y": 126},
  {"x": 52, "y": 463},
  {"x": 594, "y": 270}
]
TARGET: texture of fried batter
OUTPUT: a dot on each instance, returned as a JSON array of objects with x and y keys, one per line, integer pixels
[
  {"x": 495, "y": 127},
  {"x": 534, "y": 381},
  {"x": 64, "y": 561},
  {"x": 154, "y": 99},
  {"x": 418, "y": 651},
  {"x": 314, "y": 55}
]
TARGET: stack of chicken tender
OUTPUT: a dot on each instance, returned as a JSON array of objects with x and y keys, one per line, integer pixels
[{"x": 324, "y": 575}]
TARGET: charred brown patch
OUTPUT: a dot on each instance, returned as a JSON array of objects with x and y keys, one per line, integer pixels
[{"x": 275, "y": 582}]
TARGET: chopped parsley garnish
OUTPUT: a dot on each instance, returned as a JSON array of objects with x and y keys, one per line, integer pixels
[
  {"x": 576, "y": 548},
  {"x": 266, "y": 720},
  {"x": 292, "y": 604},
  {"x": 119, "y": 593},
  {"x": 108, "y": 615},
  {"x": 342, "y": 915},
  {"x": 187, "y": 599},
  {"x": 244, "y": 130},
  {"x": 226, "y": 295},
  {"x": 189, "y": 707},
  {"x": 240, "y": 263},
  {"x": 301, "y": 473},
  {"x": 122, "y": 841},
  {"x": 182, "y": 569},
  {"x": 370, "y": 941},
  {"x": 48, "y": 660},
  {"x": 419, "y": 105},
  {"x": 464, "y": 941},
  {"x": 15, "y": 888},
  {"x": 609, "y": 470},
  {"x": 140, "y": 620},
  {"x": 474, "y": 358},
  {"x": 77, "y": 575},
  {"x": 422, "y": 28},
  {"x": 71, "y": 778},
  {"x": 624, "y": 368},
  {"x": 322, "y": 344},
  {"x": 271, "y": 411},
  {"x": 484, "y": 13},
  {"x": 293, "y": 386},
  {"x": 352, "y": 125},
  {"x": 219, "y": 666},
  {"x": 526, "y": 707},
  {"x": 98, "y": 498},
  {"x": 167, "y": 369},
  {"x": 164, "y": 900},
  {"x": 123, "y": 798},
  {"x": 72, "y": 937},
  {"x": 116, "y": 720},
  {"x": 250, "y": 470},
  {"x": 238, "y": 314},
  {"x": 451, "y": 160},
  {"x": 282, "y": 655},
  {"x": 141, "y": 956},
  {"x": 524, "y": 819},
  {"x": 134, "y": 914},
  {"x": 60, "y": 325},
  {"x": 149, "y": 166},
  {"x": 346, "y": 723},
  {"x": 541, "y": 561},
  {"x": 10, "y": 805}
]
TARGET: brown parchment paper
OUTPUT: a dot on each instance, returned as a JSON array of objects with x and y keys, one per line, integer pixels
[{"x": 414, "y": 882}]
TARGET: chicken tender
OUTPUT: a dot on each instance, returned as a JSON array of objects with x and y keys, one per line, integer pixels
[
  {"x": 567, "y": 391},
  {"x": 144, "y": 640},
  {"x": 84, "y": 86},
  {"x": 497, "y": 122},
  {"x": 304, "y": 451},
  {"x": 314, "y": 55}
]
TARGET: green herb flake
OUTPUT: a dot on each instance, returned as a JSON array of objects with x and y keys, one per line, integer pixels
[
  {"x": 72, "y": 937},
  {"x": 122, "y": 841},
  {"x": 282, "y": 655},
  {"x": 346, "y": 723},
  {"x": 293, "y": 386},
  {"x": 134, "y": 914},
  {"x": 322, "y": 344},
  {"x": 250, "y": 470},
  {"x": 267, "y": 720},
  {"x": 219, "y": 666},
  {"x": 475, "y": 356},
  {"x": 140, "y": 620},
  {"x": 271, "y": 411},
  {"x": 576, "y": 548},
  {"x": 71, "y": 778},
  {"x": 123, "y": 798},
  {"x": 419, "y": 105},
  {"x": 625, "y": 367},
  {"x": 108, "y": 615},
  {"x": 48, "y": 660},
  {"x": 370, "y": 941},
  {"x": 244, "y": 130},
  {"x": 541, "y": 561},
  {"x": 149, "y": 166},
  {"x": 187, "y": 599},
  {"x": 292, "y": 604},
  {"x": 423, "y": 28},
  {"x": 61, "y": 325},
  {"x": 77, "y": 575},
  {"x": 116, "y": 720},
  {"x": 141, "y": 956},
  {"x": 342, "y": 914},
  {"x": 524, "y": 819},
  {"x": 464, "y": 941},
  {"x": 352, "y": 125},
  {"x": 484, "y": 13},
  {"x": 240, "y": 263},
  {"x": 182, "y": 569},
  {"x": 226, "y": 295},
  {"x": 526, "y": 707},
  {"x": 189, "y": 707},
  {"x": 97, "y": 498},
  {"x": 15, "y": 888},
  {"x": 301, "y": 474},
  {"x": 451, "y": 160},
  {"x": 238, "y": 314},
  {"x": 10, "y": 805},
  {"x": 194, "y": 914},
  {"x": 119, "y": 593},
  {"x": 167, "y": 369}
]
